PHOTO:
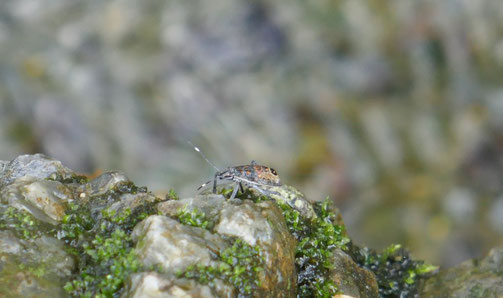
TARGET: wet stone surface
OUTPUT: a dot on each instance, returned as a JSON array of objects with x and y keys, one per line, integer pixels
[
  {"x": 352, "y": 279},
  {"x": 167, "y": 243},
  {"x": 37, "y": 166},
  {"x": 44, "y": 199},
  {"x": 256, "y": 224},
  {"x": 473, "y": 278},
  {"x": 64, "y": 235},
  {"x": 33, "y": 268},
  {"x": 153, "y": 284}
]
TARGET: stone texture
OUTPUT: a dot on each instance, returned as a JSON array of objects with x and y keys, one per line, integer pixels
[
  {"x": 155, "y": 285},
  {"x": 165, "y": 242},
  {"x": 472, "y": 278},
  {"x": 37, "y": 166},
  {"x": 43, "y": 198},
  {"x": 352, "y": 279},
  {"x": 259, "y": 224}
]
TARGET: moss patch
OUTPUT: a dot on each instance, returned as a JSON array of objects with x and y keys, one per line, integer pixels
[
  {"x": 101, "y": 242},
  {"x": 316, "y": 240},
  {"x": 22, "y": 223},
  {"x": 193, "y": 217},
  {"x": 171, "y": 195},
  {"x": 397, "y": 274},
  {"x": 239, "y": 266}
]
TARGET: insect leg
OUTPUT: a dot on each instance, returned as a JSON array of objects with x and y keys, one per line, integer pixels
[
  {"x": 262, "y": 191},
  {"x": 235, "y": 191},
  {"x": 215, "y": 183},
  {"x": 241, "y": 187}
]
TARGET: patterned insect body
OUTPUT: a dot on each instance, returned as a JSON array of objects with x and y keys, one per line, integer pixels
[
  {"x": 264, "y": 181},
  {"x": 252, "y": 175}
]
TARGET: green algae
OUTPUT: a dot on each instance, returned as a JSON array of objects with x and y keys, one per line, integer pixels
[
  {"x": 239, "y": 266},
  {"x": 396, "y": 273},
  {"x": 21, "y": 222},
  {"x": 102, "y": 245},
  {"x": 193, "y": 217},
  {"x": 101, "y": 242},
  {"x": 317, "y": 238},
  {"x": 110, "y": 259},
  {"x": 172, "y": 195}
]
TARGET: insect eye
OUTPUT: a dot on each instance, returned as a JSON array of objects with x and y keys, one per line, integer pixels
[{"x": 273, "y": 171}]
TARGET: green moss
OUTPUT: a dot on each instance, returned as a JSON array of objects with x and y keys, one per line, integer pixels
[
  {"x": 193, "y": 217},
  {"x": 100, "y": 239},
  {"x": 479, "y": 291},
  {"x": 112, "y": 260},
  {"x": 22, "y": 223},
  {"x": 397, "y": 274},
  {"x": 239, "y": 266},
  {"x": 38, "y": 270},
  {"x": 317, "y": 238},
  {"x": 172, "y": 195},
  {"x": 76, "y": 226}
]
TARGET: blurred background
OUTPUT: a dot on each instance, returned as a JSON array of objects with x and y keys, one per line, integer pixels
[{"x": 394, "y": 109}]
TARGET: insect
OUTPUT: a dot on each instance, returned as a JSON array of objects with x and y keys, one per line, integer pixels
[{"x": 252, "y": 175}]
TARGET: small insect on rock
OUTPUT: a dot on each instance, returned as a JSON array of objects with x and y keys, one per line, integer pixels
[{"x": 252, "y": 175}]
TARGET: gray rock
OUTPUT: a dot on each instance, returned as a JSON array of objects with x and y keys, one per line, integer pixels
[
  {"x": 153, "y": 284},
  {"x": 352, "y": 279},
  {"x": 102, "y": 184},
  {"x": 129, "y": 201},
  {"x": 37, "y": 166},
  {"x": 10, "y": 244},
  {"x": 473, "y": 278},
  {"x": 259, "y": 224},
  {"x": 33, "y": 268},
  {"x": 263, "y": 224},
  {"x": 44, "y": 199},
  {"x": 173, "y": 246},
  {"x": 288, "y": 195},
  {"x": 209, "y": 204},
  {"x": 40, "y": 265}
]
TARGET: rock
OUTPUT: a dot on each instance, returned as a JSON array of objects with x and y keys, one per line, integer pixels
[
  {"x": 36, "y": 166},
  {"x": 167, "y": 243},
  {"x": 352, "y": 279},
  {"x": 153, "y": 284},
  {"x": 102, "y": 184},
  {"x": 288, "y": 195},
  {"x": 263, "y": 224},
  {"x": 473, "y": 278},
  {"x": 260, "y": 224},
  {"x": 44, "y": 199},
  {"x": 210, "y": 205},
  {"x": 37, "y": 267},
  {"x": 94, "y": 237},
  {"x": 9, "y": 244},
  {"x": 24, "y": 185}
]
